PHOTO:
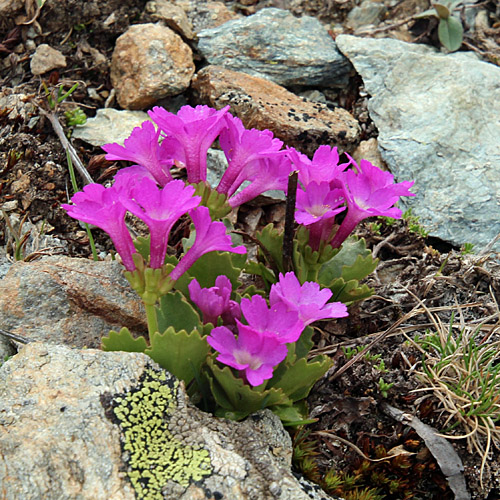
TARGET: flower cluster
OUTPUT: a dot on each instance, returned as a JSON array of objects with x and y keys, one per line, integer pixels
[
  {"x": 159, "y": 208},
  {"x": 250, "y": 334},
  {"x": 261, "y": 343},
  {"x": 254, "y": 156},
  {"x": 327, "y": 189}
]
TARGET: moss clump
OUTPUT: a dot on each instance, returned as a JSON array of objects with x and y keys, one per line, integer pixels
[{"x": 154, "y": 455}]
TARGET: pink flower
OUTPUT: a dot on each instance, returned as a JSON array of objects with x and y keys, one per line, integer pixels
[
  {"x": 254, "y": 353},
  {"x": 189, "y": 135},
  {"x": 215, "y": 301},
  {"x": 316, "y": 207},
  {"x": 264, "y": 174},
  {"x": 142, "y": 147},
  {"x": 102, "y": 207},
  {"x": 160, "y": 209},
  {"x": 243, "y": 147},
  {"x": 277, "y": 319},
  {"x": 324, "y": 167},
  {"x": 308, "y": 300},
  {"x": 369, "y": 192},
  {"x": 210, "y": 236}
]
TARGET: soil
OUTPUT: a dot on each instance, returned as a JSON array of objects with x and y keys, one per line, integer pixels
[{"x": 34, "y": 181}]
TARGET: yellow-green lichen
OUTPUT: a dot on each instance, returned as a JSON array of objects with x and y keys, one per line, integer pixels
[{"x": 155, "y": 456}]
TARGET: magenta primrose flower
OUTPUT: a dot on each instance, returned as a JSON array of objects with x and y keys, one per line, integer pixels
[
  {"x": 316, "y": 207},
  {"x": 277, "y": 319},
  {"x": 242, "y": 147},
  {"x": 324, "y": 167},
  {"x": 253, "y": 352},
  {"x": 308, "y": 300},
  {"x": 160, "y": 209},
  {"x": 103, "y": 208},
  {"x": 210, "y": 236},
  {"x": 215, "y": 301},
  {"x": 189, "y": 134},
  {"x": 264, "y": 174},
  {"x": 369, "y": 192},
  {"x": 142, "y": 147}
]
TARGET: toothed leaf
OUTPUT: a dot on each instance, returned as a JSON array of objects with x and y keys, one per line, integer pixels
[
  {"x": 174, "y": 310},
  {"x": 180, "y": 353},
  {"x": 123, "y": 341}
]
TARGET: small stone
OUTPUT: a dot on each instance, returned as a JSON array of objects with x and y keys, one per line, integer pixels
[
  {"x": 368, "y": 150},
  {"x": 150, "y": 62},
  {"x": 207, "y": 15},
  {"x": 262, "y": 104},
  {"x": 173, "y": 15},
  {"x": 46, "y": 59},
  {"x": 109, "y": 125},
  {"x": 276, "y": 45},
  {"x": 368, "y": 13}
]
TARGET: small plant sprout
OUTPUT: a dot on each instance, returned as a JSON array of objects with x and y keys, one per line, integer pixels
[
  {"x": 467, "y": 248},
  {"x": 414, "y": 225},
  {"x": 375, "y": 227},
  {"x": 384, "y": 387},
  {"x": 75, "y": 117},
  {"x": 237, "y": 349},
  {"x": 450, "y": 29}
]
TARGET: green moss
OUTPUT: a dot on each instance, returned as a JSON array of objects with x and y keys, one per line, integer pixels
[{"x": 154, "y": 455}]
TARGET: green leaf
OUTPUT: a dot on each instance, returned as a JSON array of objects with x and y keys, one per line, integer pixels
[
  {"x": 231, "y": 393},
  {"x": 353, "y": 261},
  {"x": 180, "y": 353},
  {"x": 297, "y": 380},
  {"x": 141, "y": 244},
  {"x": 442, "y": 10},
  {"x": 304, "y": 344},
  {"x": 349, "y": 292},
  {"x": 272, "y": 239},
  {"x": 426, "y": 13},
  {"x": 174, "y": 310},
  {"x": 451, "y": 33},
  {"x": 209, "y": 266},
  {"x": 123, "y": 341}
]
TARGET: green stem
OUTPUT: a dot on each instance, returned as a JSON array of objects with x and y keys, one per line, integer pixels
[{"x": 152, "y": 319}]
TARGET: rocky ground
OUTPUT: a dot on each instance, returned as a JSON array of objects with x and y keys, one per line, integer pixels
[{"x": 422, "y": 281}]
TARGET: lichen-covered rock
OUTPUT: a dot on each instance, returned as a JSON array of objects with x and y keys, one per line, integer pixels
[
  {"x": 276, "y": 45},
  {"x": 150, "y": 62},
  {"x": 262, "y": 104},
  {"x": 68, "y": 301},
  {"x": 99, "y": 425}
]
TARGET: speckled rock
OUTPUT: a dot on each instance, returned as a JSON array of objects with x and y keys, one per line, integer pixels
[
  {"x": 150, "y": 62},
  {"x": 46, "y": 59},
  {"x": 99, "y": 425},
  {"x": 109, "y": 125},
  {"x": 276, "y": 45},
  {"x": 172, "y": 15},
  {"x": 261, "y": 104},
  {"x": 437, "y": 117},
  {"x": 68, "y": 301},
  {"x": 206, "y": 15}
]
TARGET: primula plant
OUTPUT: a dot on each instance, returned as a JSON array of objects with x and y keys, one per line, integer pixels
[{"x": 237, "y": 349}]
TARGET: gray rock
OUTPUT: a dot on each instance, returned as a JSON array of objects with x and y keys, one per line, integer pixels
[
  {"x": 98, "y": 425},
  {"x": 276, "y": 45},
  {"x": 46, "y": 59},
  {"x": 68, "y": 301},
  {"x": 109, "y": 125},
  {"x": 367, "y": 13},
  {"x": 438, "y": 122}
]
